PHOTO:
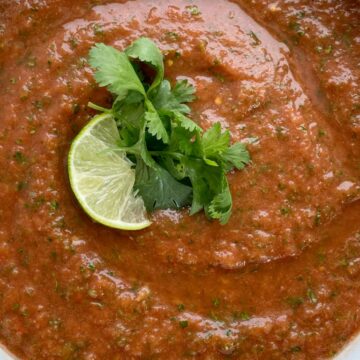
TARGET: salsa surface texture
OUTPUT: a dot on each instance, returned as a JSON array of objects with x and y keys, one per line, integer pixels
[{"x": 281, "y": 280}]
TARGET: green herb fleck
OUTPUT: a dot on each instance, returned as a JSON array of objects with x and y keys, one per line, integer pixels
[
  {"x": 344, "y": 262},
  {"x": 181, "y": 307},
  {"x": 91, "y": 266},
  {"x": 317, "y": 219},
  {"x": 295, "y": 301},
  {"x": 73, "y": 43},
  {"x": 38, "y": 104},
  {"x": 193, "y": 10},
  {"x": 31, "y": 62},
  {"x": 256, "y": 40},
  {"x": 311, "y": 296},
  {"x": 328, "y": 50},
  {"x": 183, "y": 324},
  {"x": 300, "y": 14},
  {"x": 285, "y": 210},
  {"x": 242, "y": 315},
  {"x": 172, "y": 36},
  {"x": 297, "y": 28},
  {"x": 21, "y": 185},
  {"x": 75, "y": 109},
  {"x": 19, "y": 157},
  {"x": 97, "y": 29},
  {"x": 54, "y": 205},
  {"x": 216, "y": 302},
  {"x": 321, "y": 257},
  {"x": 295, "y": 349}
]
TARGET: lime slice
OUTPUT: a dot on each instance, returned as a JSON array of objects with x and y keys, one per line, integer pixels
[{"x": 102, "y": 177}]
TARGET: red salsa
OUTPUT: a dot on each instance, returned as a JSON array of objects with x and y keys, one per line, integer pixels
[{"x": 281, "y": 280}]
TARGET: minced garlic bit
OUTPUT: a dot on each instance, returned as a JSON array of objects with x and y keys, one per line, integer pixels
[{"x": 274, "y": 8}]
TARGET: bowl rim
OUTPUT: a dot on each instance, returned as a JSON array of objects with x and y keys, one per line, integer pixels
[{"x": 351, "y": 351}]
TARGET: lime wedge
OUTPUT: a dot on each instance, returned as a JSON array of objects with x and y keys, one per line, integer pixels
[{"x": 102, "y": 177}]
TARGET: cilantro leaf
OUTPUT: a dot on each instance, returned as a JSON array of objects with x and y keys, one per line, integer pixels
[
  {"x": 156, "y": 126},
  {"x": 144, "y": 154},
  {"x": 169, "y": 99},
  {"x": 114, "y": 70},
  {"x": 159, "y": 189},
  {"x": 236, "y": 156},
  {"x": 146, "y": 51},
  {"x": 214, "y": 142},
  {"x": 181, "y": 140},
  {"x": 173, "y": 166},
  {"x": 185, "y": 136},
  {"x": 186, "y": 123},
  {"x": 220, "y": 206},
  {"x": 206, "y": 182},
  {"x": 183, "y": 91}
]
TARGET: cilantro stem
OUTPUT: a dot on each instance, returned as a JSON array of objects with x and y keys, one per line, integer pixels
[
  {"x": 135, "y": 150},
  {"x": 167, "y": 153},
  {"x": 131, "y": 149},
  {"x": 149, "y": 105},
  {"x": 99, "y": 108}
]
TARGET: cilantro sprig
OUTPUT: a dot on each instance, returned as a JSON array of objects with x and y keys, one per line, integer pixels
[{"x": 176, "y": 162}]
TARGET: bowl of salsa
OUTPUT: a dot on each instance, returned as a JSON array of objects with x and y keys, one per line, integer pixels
[{"x": 238, "y": 125}]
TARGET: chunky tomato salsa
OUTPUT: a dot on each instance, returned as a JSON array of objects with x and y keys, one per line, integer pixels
[{"x": 281, "y": 280}]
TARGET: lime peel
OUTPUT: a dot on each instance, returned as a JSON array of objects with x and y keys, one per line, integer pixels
[{"x": 102, "y": 178}]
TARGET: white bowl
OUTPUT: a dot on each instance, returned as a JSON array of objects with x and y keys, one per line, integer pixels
[
  {"x": 350, "y": 352},
  {"x": 5, "y": 355}
]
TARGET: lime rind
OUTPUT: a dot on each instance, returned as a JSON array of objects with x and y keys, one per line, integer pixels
[{"x": 102, "y": 177}]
